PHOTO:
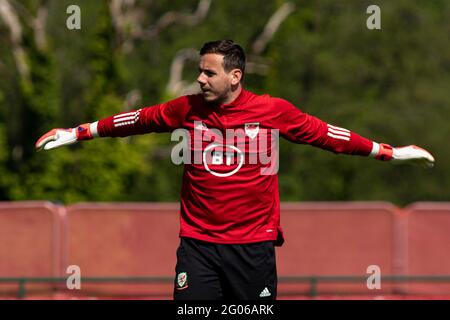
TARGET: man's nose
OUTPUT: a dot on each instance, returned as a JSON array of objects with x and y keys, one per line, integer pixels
[{"x": 201, "y": 78}]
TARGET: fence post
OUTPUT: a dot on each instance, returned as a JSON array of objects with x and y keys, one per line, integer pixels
[
  {"x": 313, "y": 282},
  {"x": 22, "y": 290}
]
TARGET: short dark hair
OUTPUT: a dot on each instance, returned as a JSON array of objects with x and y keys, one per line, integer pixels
[{"x": 233, "y": 54}]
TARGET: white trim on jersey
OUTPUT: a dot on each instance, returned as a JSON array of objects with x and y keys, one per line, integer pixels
[
  {"x": 124, "y": 118},
  {"x": 128, "y": 118},
  {"x": 338, "y": 137},
  {"x": 338, "y": 132},
  {"x": 124, "y": 114},
  {"x": 344, "y": 133},
  {"x": 93, "y": 128}
]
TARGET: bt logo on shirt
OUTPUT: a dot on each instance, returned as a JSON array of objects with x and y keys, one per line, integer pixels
[
  {"x": 217, "y": 153},
  {"x": 248, "y": 145}
]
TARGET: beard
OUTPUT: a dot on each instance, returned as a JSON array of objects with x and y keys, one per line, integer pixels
[{"x": 212, "y": 97}]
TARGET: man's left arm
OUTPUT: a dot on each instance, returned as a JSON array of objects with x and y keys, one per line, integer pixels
[{"x": 300, "y": 127}]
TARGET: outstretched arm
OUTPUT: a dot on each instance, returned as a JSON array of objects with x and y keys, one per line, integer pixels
[
  {"x": 159, "y": 118},
  {"x": 300, "y": 127}
]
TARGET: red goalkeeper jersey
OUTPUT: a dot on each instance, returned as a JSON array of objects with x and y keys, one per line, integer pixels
[{"x": 230, "y": 186}]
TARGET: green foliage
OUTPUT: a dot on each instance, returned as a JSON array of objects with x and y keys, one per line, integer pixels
[
  {"x": 390, "y": 85},
  {"x": 386, "y": 85}
]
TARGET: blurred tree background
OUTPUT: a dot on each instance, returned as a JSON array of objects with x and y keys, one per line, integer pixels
[{"x": 390, "y": 85}]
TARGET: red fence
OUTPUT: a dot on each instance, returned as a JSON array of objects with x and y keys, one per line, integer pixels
[
  {"x": 39, "y": 239},
  {"x": 428, "y": 238},
  {"x": 123, "y": 240},
  {"x": 30, "y": 239},
  {"x": 329, "y": 239}
]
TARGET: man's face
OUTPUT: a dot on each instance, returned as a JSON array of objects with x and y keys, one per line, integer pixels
[{"x": 216, "y": 84}]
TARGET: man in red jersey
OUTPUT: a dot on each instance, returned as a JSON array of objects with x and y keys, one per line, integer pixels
[{"x": 230, "y": 211}]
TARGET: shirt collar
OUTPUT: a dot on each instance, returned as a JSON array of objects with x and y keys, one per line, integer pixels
[{"x": 239, "y": 99}]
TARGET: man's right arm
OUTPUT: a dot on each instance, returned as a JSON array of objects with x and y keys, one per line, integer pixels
[{"x": 164, "y": 117}]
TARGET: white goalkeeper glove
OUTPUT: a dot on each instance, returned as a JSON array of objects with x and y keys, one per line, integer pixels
[
  {"x": 408, "y": 154},
  {"x": 62, "y": 137}
]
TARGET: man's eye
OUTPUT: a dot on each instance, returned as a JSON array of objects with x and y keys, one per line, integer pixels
[{"x": 207, "y": 72}]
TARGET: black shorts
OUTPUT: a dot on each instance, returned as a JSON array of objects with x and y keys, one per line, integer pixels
[{"x": 210, "y": 271}]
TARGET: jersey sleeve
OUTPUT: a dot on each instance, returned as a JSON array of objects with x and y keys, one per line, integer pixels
[
  {"x": 164, "y": 117},
  {"x": 300, "y": 127}
]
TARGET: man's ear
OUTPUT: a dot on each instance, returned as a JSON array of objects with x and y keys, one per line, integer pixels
[{"x": 236, "y": 76}]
